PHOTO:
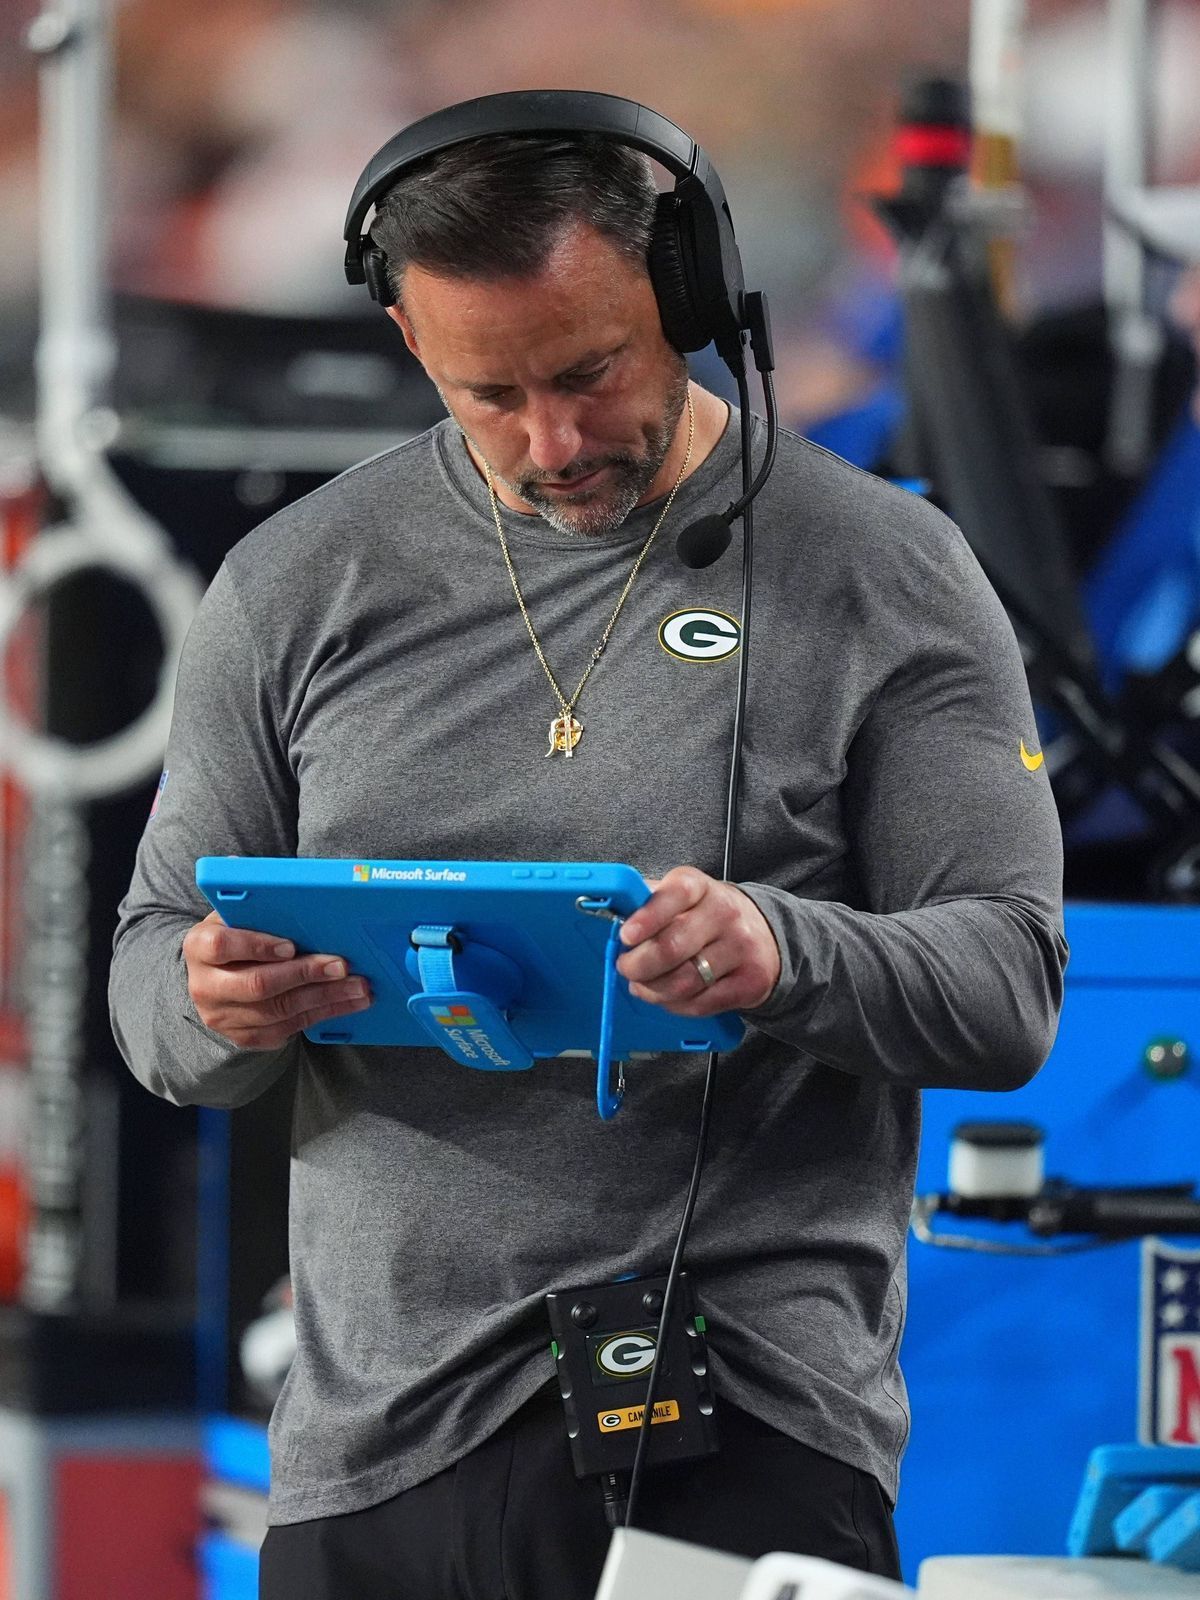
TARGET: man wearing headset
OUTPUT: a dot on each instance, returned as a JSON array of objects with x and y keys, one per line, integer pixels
[{"x": 371, "y": 675}]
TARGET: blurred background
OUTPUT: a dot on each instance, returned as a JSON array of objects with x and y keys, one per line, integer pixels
[{"x": 926, "y": 191}]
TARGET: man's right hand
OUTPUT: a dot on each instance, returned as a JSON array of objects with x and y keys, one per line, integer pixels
[{"x": 254, "y": 990}]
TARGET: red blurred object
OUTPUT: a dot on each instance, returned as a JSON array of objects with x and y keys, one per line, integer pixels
[
  {"x": 127, "y": 1526},
  {"x": 934, "y": 136},
  {"x": 918, "y": 146},
  {"x": 14, "y": 1224},
  {"x": 20, "y": 517}
]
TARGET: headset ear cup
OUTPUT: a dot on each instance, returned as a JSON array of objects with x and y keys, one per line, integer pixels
[
  {"x": 682, "y": 324},
  {"x": 375, "y": 274}
]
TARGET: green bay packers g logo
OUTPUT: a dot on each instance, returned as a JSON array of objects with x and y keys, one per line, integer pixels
[
  {"x": 696, "y": 635},
  {"x": 625, "y": 1355}
]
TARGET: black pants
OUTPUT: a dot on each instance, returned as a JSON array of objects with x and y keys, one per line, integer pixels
[{"x": 512, "y": 1522}]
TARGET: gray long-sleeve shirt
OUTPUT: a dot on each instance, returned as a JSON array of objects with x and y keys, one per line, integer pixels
[{"x": 358, "y": 682}]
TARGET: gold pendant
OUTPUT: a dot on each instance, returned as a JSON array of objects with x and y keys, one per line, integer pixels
[{"x": 565, "y": 733}]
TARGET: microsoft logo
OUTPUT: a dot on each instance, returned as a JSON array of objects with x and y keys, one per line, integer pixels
[{"x": 454, "y": 1016}]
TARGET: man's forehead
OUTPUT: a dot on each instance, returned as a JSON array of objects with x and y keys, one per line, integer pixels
[
  {"x": 580, "y": 266},
  {"x": 492, "y": 372},
  {"x": 578, "y": 310}
]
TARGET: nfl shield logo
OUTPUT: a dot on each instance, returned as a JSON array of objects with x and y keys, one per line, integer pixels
[{"x": 1170, "y": 1377}]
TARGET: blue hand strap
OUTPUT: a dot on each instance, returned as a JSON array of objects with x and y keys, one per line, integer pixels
[
  {"x": 486, "y": 1040},
  {"x": 608, "y": 1103},
  {"x": 436, "y": 947},
  {"x": 466, "y": 990}
]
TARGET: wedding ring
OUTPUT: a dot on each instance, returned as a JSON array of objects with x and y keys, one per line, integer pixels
[{"x": 707, "y": 976}]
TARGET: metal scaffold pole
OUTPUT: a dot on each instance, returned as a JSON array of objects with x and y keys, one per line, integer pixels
[
  {"x": 76, "y": 349},
  {"x": 102, "y": 527},
  {"x": 996, "y": 61},
  {"x": 99, "y": 527},
  {"x": 1136, "y": 336}
]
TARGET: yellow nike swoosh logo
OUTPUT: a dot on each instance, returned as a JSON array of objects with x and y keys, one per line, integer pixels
[{"x": 1031, "y": 763}]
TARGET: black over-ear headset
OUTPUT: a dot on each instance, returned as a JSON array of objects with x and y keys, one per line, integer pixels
[
  {"x": 696, "y": 271},
  {"x": 693, "y": 258},
  {"x": 694, "y": 263}
]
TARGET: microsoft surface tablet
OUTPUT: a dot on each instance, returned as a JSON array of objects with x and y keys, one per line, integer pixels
[{"x": 529, "y": 936}]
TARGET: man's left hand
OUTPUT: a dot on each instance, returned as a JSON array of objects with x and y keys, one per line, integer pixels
[{"x": 691, "y": 915}]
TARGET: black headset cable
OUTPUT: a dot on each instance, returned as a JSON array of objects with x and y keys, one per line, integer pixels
[{"x": 761, "y": 345}]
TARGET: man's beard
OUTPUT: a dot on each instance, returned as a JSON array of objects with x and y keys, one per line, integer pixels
[
  {"x": 597, "y": 511},
  {"x": 603, "y": 509}
]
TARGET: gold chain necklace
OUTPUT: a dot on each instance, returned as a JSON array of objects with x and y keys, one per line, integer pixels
[{"x": 566, "y": 730}]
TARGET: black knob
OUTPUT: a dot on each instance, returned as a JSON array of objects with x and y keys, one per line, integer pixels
[
  {"x": 653, "y": 1301},
  {"x": 583, "y": 1315}
]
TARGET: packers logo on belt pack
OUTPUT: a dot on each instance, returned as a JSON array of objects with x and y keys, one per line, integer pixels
[{"x": 624, "y": 1355}]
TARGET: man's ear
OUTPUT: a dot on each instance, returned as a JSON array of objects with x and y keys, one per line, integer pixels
[{"x": 406, "y": 328}]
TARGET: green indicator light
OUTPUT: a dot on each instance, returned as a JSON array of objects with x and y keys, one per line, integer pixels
[
  {"x": 1165, "y": 1058},
  {"x": 554, "y": 1348},
  {"x": 701, "y": 1325}
]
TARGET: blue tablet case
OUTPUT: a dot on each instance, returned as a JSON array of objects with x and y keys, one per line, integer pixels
[{"x": 499, "y": 962}]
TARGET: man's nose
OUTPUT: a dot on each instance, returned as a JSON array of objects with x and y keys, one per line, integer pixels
[{"x": 555, "y": 438}]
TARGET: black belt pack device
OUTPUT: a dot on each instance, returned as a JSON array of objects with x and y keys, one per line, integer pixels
[{"x": 604, "y": 1342}]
